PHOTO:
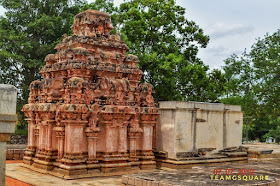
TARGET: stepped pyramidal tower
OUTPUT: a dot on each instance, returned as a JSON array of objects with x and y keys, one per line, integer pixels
[{"x": 89, "y": 115}]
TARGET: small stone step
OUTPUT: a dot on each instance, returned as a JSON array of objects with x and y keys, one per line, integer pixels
[{"x": 266, "y": 151}]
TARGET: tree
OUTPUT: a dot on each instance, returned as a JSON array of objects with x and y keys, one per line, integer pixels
[
  {"x": 29, "y": 31},
  {"x": 265, "y": 55},
  {"x": 156, "y": 31},
  {"x": 240, "y": 86},
  {"x": 253, "y": 79},
  {"x": 167, "y": 45}
]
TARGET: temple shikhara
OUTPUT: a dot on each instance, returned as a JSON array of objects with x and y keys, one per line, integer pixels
[{"x": 89, "y": 115}]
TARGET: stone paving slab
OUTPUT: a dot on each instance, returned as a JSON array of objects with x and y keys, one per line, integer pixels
[
  {"x": 35, "y": 178},
  {"x": 263, "y": 146},
  {"x": 197, "y": 176},
  {"x": 267, "y": 174}
]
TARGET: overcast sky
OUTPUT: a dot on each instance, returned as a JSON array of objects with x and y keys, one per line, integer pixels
[{"x": 232, "y": 25}]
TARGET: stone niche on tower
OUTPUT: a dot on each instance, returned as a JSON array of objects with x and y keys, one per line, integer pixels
[{"x": 89, "y": 115}]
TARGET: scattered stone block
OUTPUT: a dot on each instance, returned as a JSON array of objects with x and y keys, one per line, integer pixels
[
  {"x": 138, "y": 182},
  {"x": 125, "y": 179},
  {"x": 154, "y": 183},
  {"x": 131, "y": 180},
  {"x": 266, "y": 151}
]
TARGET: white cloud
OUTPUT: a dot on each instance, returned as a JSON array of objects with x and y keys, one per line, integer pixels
[
  {"x": 215, "y": 54},
  {"x": 218, "y": 51},
  {"x": 220, "y": 30},
  {"x": 222, "y": 51}
]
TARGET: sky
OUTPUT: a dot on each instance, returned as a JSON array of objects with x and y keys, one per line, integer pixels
[{"x": 232, "y": 25}]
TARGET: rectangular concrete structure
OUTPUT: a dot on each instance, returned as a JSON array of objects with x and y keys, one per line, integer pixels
[
  {"x": 8, "y": 119},
  {"x": 189, "y": 126}
]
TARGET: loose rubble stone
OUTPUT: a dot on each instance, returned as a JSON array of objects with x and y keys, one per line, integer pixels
[{"x": 18, "y": 139}]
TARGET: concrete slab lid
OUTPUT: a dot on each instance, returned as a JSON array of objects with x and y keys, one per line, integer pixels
[
  {"x": 198, "y": 105},
  {"x": 8, "y": 87},
  {"x": 233, "y": 107},
  {"x": 175, "y": 104},
  {"x": 209, "y": 106}
]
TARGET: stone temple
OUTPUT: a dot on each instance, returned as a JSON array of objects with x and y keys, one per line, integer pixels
[{"x": 89, "y": 115}]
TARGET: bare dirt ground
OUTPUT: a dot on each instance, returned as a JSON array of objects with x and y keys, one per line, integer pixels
[
  {"x": 13, "y": 182},
  {"x": 263, "y": 146}
]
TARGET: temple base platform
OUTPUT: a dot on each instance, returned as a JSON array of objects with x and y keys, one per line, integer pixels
[{"x": 87, "y": 171}]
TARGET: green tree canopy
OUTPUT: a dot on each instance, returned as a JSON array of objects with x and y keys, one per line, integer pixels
[
  {"x": 253, "y": 80},
  {"x": 29, "y": 31},
  {"x": 158, "y": 32},
  {"x": 167, "y": 44}
]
